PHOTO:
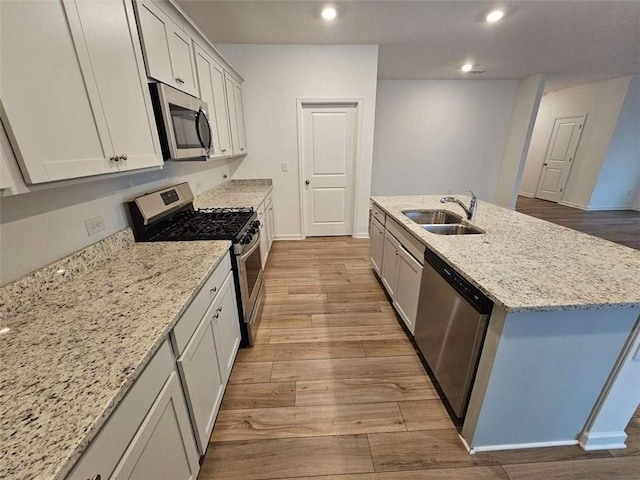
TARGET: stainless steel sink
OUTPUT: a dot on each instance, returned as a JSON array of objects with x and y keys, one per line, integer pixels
[
  {"x": 452, "y": 229},
  {"x": 430, "y": 217}
]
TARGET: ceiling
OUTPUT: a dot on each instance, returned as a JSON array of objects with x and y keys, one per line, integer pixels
[{"x": 572, "y": 41}]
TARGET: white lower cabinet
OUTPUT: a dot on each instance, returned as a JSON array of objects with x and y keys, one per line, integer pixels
[
  {"x": 202, "y": 379},
  {"x": 226, "y": 328},
  {"x": 390, "y": 263},
  {"x": 407, "y": 291},
  {"x": 163, "y": 447},
  {"x": 267, "y": 228},
  {"x": 376, "y": 245},
  {"x": 271, "y": 224},
  {"x": 394, "y": 254}
]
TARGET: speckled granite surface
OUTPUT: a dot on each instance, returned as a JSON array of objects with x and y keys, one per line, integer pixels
[
  {"x": 28, "y": 289},
  {"x": 526, "y": 264},
  {"x": 235, "y": 193},
  {"x": 71, "y": 355}
]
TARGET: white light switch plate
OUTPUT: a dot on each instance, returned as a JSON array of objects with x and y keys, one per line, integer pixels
[{"x": 285, "y": 167}]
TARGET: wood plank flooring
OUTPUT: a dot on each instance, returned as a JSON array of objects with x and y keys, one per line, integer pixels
[
  {"x": 621, "y": 226},
  {"x": 335, "y": 391}
]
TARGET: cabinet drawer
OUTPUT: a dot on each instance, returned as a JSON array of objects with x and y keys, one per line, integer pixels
[
  {"x": 107, "y": 448},
  {"x": 192, "y": 316},
  {"x": 414, "y": 246},
  {"x": 378, "y": 214}
]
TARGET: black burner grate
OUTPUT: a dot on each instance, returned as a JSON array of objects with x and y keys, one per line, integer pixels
[{"x": 204, "y": 224}]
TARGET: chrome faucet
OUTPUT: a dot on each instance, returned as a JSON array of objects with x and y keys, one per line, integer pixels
[{"x": 473, "y": 207}]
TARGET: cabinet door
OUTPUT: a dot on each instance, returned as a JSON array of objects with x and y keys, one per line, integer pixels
[
  {"x": 226, "y": 327},
  {"x": 233, "y": 114},
  {"x": 118, "y": 68},
  {"x": 53, "y": 119},
  {"x": 271, "y": 224},
  {"x": 264, "y": 237},
  {"x": 163, "y": 447},
  {"x": 182, "y": 60},
  {"x": 390, "y": 263},
  {"x": 408, "y": 288},
  {"x": 167, "y": 48},
  {"x": 242, "y": 138},
  {"x": 211, "y": 85},
  {"x": 376, "y": 245},
  {"x": 202, "y": 378}
]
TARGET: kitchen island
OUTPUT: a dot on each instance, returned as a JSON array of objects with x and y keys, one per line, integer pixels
[{"x": 563, "y": 332}]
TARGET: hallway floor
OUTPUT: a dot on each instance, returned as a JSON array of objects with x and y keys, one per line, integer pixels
[
  {"x": 335, "y": 391},
  {"x": 619, "y": 226}
]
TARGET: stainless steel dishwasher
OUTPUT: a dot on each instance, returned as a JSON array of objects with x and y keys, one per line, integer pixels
[{"x": 450, "y": 327}]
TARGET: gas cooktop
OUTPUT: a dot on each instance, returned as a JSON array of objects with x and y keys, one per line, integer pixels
[{"x": 204, "y": 224}]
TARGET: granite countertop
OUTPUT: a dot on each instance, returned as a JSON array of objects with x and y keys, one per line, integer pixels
[
  {"x": 76, "y": 346},
  {"x": 526, "y": 264},
  {"x": 235, "y": 193}
]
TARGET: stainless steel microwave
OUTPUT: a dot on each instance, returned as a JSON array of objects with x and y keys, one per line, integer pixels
[{"x": 183, "y": 123}]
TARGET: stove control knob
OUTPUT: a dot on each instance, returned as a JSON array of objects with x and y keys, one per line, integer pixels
[
  {"x": 245, "y": 240},
  {"x": 256, "y": 224}
]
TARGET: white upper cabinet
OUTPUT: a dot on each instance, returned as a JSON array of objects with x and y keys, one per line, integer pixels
[
  {"x": 80, "y": 105},
  {"x": 236, "y": 115},
  {"x": 212, "y": 91},
  {"x": 168, "y": 49}
]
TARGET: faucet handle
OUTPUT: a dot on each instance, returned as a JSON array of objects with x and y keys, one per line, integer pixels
[{"x": 473, "y": 195}]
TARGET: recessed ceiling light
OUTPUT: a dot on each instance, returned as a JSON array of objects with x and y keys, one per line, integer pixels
[
  {"x": 495, "y": 15},
  {"x": 467, "y": 67},
  {"x": 329, "y": 13}
]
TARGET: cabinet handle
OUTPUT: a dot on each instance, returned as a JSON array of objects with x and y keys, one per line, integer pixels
[
  {"x": 396, "y": 251},
  {"x": 223, "y": 150},
  {"x": 114, "y": 158},
  {"x": 123, "y": 156},
  {"x": 216, "y": 315},
  {"x": 242, "y": 149},
  {"x": 219, "y": 309},
  {"x": 95, "y": 477},
  {"x": 214, "y": 290},
  {"x": 179, "y": 80}
]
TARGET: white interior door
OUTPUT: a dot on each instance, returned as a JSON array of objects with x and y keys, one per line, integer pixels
[
  {"x": 560, "y": 155},
  {"x": 328, "y": 136}
]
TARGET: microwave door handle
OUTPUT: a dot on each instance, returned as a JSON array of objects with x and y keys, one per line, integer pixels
[{"x": 201, "y": 114}]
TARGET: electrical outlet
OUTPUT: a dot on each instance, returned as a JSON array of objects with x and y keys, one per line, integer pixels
[
  {"x": 285, "y": 167},
  {"x": 94, "y": 225}
]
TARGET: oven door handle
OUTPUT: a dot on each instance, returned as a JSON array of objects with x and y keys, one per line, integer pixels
[{"x": 246, "y": 255}]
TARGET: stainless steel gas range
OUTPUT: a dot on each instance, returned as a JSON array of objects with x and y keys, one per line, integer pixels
[{"x": 169, "y": 215}]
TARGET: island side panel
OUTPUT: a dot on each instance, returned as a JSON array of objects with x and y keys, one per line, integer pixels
[
  {"x": 618, "y": 401},
  {"x": 540, "y": 375}
]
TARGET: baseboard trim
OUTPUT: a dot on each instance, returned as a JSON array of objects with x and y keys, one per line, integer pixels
[
  {"x": 602, "y": 441},
  {"x": 526, "y": 194},
  {"x": 362, "y": 235},
  {"x": 573, "y": 205},
  {"x": 602, "y": 208},
  {"x": 287, "y": 237},
  {"x": 520, "y": 446}
]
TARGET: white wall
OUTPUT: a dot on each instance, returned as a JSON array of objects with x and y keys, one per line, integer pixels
[
  {"x": 523, "y": 119},
  {"x": 275, "y": 77},
  {"x": 437, "y": 136},
  {"x": 40, "y": 227},
  {"x": 601, "y": 101},
  {"x": 618, "y": 183}
]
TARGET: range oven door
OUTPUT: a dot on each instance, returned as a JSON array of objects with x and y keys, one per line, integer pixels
[
  {"x": 251, "y": 280},
  {"x": 185, "y": 120}
]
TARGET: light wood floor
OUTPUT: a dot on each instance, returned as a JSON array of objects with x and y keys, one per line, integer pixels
[
  {"x": 335, "y": 391},
  {"x": 619, "y": 226}
]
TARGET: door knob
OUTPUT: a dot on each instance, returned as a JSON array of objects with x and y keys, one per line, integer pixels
[{"x": 307, "y": 182}]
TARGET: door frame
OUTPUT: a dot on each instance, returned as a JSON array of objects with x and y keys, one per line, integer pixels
[
  {"x": 357, "y": 103},
  {"x": 548, "y": 151}
]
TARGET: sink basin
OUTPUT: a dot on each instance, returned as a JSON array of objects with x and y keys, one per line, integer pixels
[
  {"x": 430, "y": 217},
  {"x": 452, "y": 229}
]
